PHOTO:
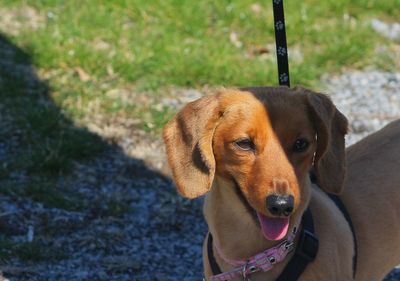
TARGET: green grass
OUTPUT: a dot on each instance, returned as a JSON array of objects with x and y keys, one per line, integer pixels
[
  {"x": 149, "y": 45},
  {"x": 186, "y": 43}
]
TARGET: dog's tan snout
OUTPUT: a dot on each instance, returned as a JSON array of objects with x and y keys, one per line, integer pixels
[
  {"x": 280, "y": 185},
  {"x": 280, "y": 205}
]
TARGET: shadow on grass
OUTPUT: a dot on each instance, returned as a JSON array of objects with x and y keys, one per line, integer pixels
[
  {"x": 42, "y": 140},
  {"x": 59, "y": 181},
  {"x": 37, "y": 141}
]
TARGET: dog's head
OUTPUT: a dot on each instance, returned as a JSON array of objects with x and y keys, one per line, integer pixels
[{"x": 265, "y": 141}]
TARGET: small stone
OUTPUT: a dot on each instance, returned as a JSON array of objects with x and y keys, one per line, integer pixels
[{"x": 391, "y": 31}]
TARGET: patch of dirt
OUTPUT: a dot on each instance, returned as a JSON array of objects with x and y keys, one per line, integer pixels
[
  {"x": 393, "y": 52},
  {"x": 125, "y": 132},
  {"x": 16, "y": 20},
  {"x": 134, "y": 142}
]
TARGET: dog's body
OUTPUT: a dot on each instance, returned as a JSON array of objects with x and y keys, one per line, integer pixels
[
  {"x": 243, "y": 147},
  {"x": 372, "y": 196}
]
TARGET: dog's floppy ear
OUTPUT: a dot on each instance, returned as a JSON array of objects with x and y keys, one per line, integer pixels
[
  {"x": 331, "y": 127},
  {"x": 188, "y": 139}
]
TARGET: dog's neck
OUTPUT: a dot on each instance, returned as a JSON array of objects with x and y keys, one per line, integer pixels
[{"x": 232, "y": 225}]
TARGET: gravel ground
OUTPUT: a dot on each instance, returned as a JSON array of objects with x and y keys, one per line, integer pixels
[{"x": 368, "y": 99}]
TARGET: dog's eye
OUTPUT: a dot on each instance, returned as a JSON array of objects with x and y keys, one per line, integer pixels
[
  {"x": 245, "y": 144},
  {"x": 300, "y": 145}
]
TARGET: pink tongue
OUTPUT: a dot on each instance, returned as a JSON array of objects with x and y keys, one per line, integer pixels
[{"x": 273, "y": 228}]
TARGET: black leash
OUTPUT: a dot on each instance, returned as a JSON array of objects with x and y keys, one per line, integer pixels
[{"x": 281, "y": 45}]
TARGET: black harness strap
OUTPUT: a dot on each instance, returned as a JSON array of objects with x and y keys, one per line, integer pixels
[
  {"x": 280, "y": 41},
  {"x": 342, "y": 208},
  {"x": 211, "y": 259},
  {"x": 306, "y": 251}
]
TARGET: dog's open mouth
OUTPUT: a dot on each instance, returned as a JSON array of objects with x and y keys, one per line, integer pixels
[{"x": 273, "y": 228}]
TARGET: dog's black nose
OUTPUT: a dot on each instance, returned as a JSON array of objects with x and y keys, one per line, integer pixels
[{"x": 280, "y": 205}]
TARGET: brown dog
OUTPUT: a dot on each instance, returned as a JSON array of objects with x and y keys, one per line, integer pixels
[{"x": 251, "y": 152}]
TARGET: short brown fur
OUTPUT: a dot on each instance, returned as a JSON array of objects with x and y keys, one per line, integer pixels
[{"x": 204, "y": 158}]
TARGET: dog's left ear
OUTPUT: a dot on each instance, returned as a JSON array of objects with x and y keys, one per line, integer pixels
[
  {"x": 188, "y": 139},
  {"x": 331, "y": 127}
]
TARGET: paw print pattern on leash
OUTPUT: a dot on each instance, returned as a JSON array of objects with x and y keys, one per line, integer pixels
[
  {"x": 281, "y": 44},
  {"x": 281, "y": 51},
  {"x": 283, "y": 77},
  {"x": 279, "y": 25}
]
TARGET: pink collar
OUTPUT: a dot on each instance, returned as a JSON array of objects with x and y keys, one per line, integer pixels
[{"x": 262, "y": 261}]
